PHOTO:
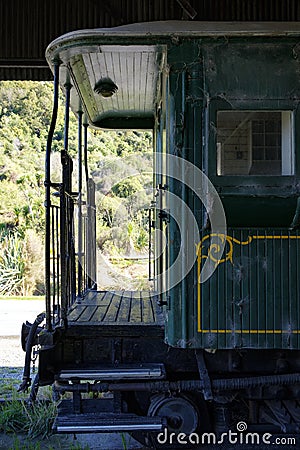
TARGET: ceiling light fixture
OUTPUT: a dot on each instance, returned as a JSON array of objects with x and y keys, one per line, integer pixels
[{"x": 105, "y": 87}]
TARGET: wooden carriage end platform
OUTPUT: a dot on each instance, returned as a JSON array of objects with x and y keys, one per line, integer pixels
[
  {"x": 102, "y": 327},
  {"x": 112, "y": 336},
  {"x": 126, "y": 311}
]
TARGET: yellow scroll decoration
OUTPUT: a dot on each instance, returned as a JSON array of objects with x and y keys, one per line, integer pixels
[{"x": 214, "y": 252}]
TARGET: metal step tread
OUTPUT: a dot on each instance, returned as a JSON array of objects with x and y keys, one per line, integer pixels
[
  {"x": 133, "y": 371},
  {"x": 105, "y": 422}
]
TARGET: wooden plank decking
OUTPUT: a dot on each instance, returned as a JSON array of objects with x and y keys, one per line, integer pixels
[{"x": 116, "y": 308}]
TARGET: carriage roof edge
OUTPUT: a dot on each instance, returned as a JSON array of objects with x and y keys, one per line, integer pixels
[{"x": 131, "y": 58}]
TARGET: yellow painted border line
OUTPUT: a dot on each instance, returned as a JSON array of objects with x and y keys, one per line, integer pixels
[
  {"x": 252, "y": 331},
  {"x": 228, "y": 257}
]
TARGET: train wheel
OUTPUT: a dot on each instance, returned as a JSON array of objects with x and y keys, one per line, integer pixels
[
  {"x": 181, "y": 414},
  {"x": 184, "y": 415}
]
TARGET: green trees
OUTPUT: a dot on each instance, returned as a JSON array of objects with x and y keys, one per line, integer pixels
[
  {"x": 24, "y": 119},
  {"x": 25, "y": 114}
]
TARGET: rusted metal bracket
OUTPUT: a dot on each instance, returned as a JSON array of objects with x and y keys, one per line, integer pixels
[{"x": 204, "y": 376}]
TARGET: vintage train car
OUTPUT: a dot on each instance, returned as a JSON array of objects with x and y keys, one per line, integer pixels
[{"x": 217, "y": 342}]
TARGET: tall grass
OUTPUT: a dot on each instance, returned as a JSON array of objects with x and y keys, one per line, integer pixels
[{"x": 35, "y": 421}]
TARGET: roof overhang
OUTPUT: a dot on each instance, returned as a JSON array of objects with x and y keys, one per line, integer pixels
[{"x": 133, "y": 57}]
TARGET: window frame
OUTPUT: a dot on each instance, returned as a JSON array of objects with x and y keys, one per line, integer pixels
[{"x": 263, "y": 182}]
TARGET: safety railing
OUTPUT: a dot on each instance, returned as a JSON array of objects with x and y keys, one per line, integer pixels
[
  {"x": 70, "y": 230},
  {"x": 55, "y": 263},
  {"x": 86, "y": 242},
  {"x": 72, "y": 257}
]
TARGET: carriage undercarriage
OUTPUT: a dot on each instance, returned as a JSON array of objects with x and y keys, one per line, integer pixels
[{"x": 119, "y": 376}]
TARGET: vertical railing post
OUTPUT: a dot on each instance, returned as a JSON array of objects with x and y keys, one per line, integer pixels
[
  {"x": 89, "y": 272},
  {"x": 48, "y": 198},
  {"x": 66, "y": 188},
  {"x": 85, "y": 148},
  {"x": 79, "y": 269},
  {"x": 91, "y": 235},
  {"x": 63, "y": 236}
]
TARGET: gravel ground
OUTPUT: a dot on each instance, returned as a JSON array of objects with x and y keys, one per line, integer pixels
[
  {"x": 11, "y": 353},
  {"x": 82, "y": 442},
  {"x": 12, "y": 314}
]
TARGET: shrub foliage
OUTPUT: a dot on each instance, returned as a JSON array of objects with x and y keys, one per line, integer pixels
[{"x": 25, "y": 115}]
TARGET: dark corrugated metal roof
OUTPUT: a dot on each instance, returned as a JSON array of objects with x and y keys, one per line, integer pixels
[{"x": 28, "y": 26}]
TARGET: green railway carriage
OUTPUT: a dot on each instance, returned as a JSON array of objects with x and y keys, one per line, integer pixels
[{"x": 221, "y": 329}]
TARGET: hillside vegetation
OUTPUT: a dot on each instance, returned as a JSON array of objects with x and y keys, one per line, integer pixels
[{"x": 119, "y": 163}]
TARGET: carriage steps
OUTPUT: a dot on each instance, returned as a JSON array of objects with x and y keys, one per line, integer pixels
[
  {"x": 105, "y": 423},
  {"x": 113, "y": 373},
  {"x": 86, "y": 415}
]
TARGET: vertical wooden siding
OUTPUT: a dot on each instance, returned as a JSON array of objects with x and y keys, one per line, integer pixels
[{"x": 252, "y": 299}]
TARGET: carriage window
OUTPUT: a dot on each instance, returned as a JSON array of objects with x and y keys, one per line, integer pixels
[{"x": 254, "y": 143}]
